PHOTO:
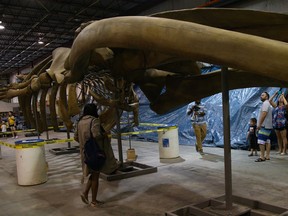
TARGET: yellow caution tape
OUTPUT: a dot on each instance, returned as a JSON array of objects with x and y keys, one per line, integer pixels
[
  {"x": 7, "y": 144},
  {"x": 149, "y": 131},
  {"x": 154, "y": 124},
  {"x": 148, "y": 124},
  {"x": 26, "y": 130},
  {"x": 34, "y": 144},
  {"x": 58, "y": 141},
  {"x": 39, "y": 144}
]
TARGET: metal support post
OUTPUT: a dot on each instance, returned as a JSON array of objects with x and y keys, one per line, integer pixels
[
  {"x": 68, "y": 137},
  {"x": 119, "y": 140},
  {"x": 35, "y": 113},
  {"x": 129, "y": 126},
  {"x": 226, "y": 132},
  {"x": 118, "y": 128},
  {"x": 47, "y": 133}
]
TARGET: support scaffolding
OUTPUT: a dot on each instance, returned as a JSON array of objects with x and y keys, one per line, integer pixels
[
  {"x": 127, "y": 169},
  {"x": 228, "y": 204}
]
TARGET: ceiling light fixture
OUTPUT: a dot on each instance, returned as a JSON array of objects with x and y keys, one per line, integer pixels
[
  {"x": 1, "y": 26},
  {"x": 40, "y": 41}
]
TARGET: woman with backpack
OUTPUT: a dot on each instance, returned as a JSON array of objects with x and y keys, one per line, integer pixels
[{"x": 89, "y": 125}]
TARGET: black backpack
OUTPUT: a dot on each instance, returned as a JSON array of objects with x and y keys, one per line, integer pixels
[{"x": 94, "y": 157}]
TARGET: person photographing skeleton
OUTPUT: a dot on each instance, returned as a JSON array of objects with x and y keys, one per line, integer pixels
[{"x": 197, "y": 111}]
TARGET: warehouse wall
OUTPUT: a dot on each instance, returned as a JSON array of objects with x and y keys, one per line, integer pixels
[
  {"x": 174, "y": 5},
  {"x": 280, "y": 6}
]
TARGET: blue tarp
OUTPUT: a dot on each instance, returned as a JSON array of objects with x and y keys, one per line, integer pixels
[{"x": 244, "y": 104}]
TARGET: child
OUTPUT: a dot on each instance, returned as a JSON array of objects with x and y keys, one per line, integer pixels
[
  {"x": 252, "y": 136},
  {"x": 4, "y": 128}
]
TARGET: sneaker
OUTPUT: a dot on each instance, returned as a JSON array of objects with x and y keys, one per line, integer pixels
[
  {"x": 196, "y": 147},
  {"x": 201, "y": 152},
  {"x": 283, "y": 153},
  {"x": 16, "y": 137},
  {"x": 251, "y": 154}
]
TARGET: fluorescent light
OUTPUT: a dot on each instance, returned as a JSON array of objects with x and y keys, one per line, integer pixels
[
  {"x": 40, "y": 41},
  {"x": 1, "y": 26}
]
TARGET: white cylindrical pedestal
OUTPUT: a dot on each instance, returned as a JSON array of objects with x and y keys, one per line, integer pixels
[
  {"x": 168, "y": 142},
  {"x": 31, "y": 165}
]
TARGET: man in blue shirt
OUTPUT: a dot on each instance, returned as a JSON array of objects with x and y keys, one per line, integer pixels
[{"x": 197, "y": 111}]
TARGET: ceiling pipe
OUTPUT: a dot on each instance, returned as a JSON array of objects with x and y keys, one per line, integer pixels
[
  {"x": 217, "y": 3},
  {"x": 208, "y": 4}
]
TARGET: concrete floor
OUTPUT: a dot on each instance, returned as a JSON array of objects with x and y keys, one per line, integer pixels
[{"x": 175, "y": 185}]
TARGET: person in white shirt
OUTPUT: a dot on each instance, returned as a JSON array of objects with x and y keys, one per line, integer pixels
[
  {"x": 264, "y": 127},
  {"x": 4, "y": 128}
]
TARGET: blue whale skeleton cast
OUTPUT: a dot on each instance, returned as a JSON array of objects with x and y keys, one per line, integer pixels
[{"x": 160, "y": 54}]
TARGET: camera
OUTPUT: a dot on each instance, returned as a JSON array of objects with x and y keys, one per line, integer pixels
[{"x": 196, "y": 108}]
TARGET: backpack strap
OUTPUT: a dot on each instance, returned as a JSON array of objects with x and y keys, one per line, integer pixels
[
  {"x": 102, "y": 130},
  {"x": 91, "y": 135}
]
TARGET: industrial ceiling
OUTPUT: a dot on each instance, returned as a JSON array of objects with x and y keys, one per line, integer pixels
[
  {"x": 34, "y": 28},
  {"x": 29, "y": 22}
]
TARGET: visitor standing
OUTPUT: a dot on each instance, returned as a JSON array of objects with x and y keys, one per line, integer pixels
[
  {"x": 198, "y": 111},
  {"x": 252, "y": 137},
  {"x": 4, "y": 128},
  {"x": 279, "y": 121},
  {"x": 264, "y": 127},
  {"x": 89, "y": 124},
  {"x": 12, "y": 124}
]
